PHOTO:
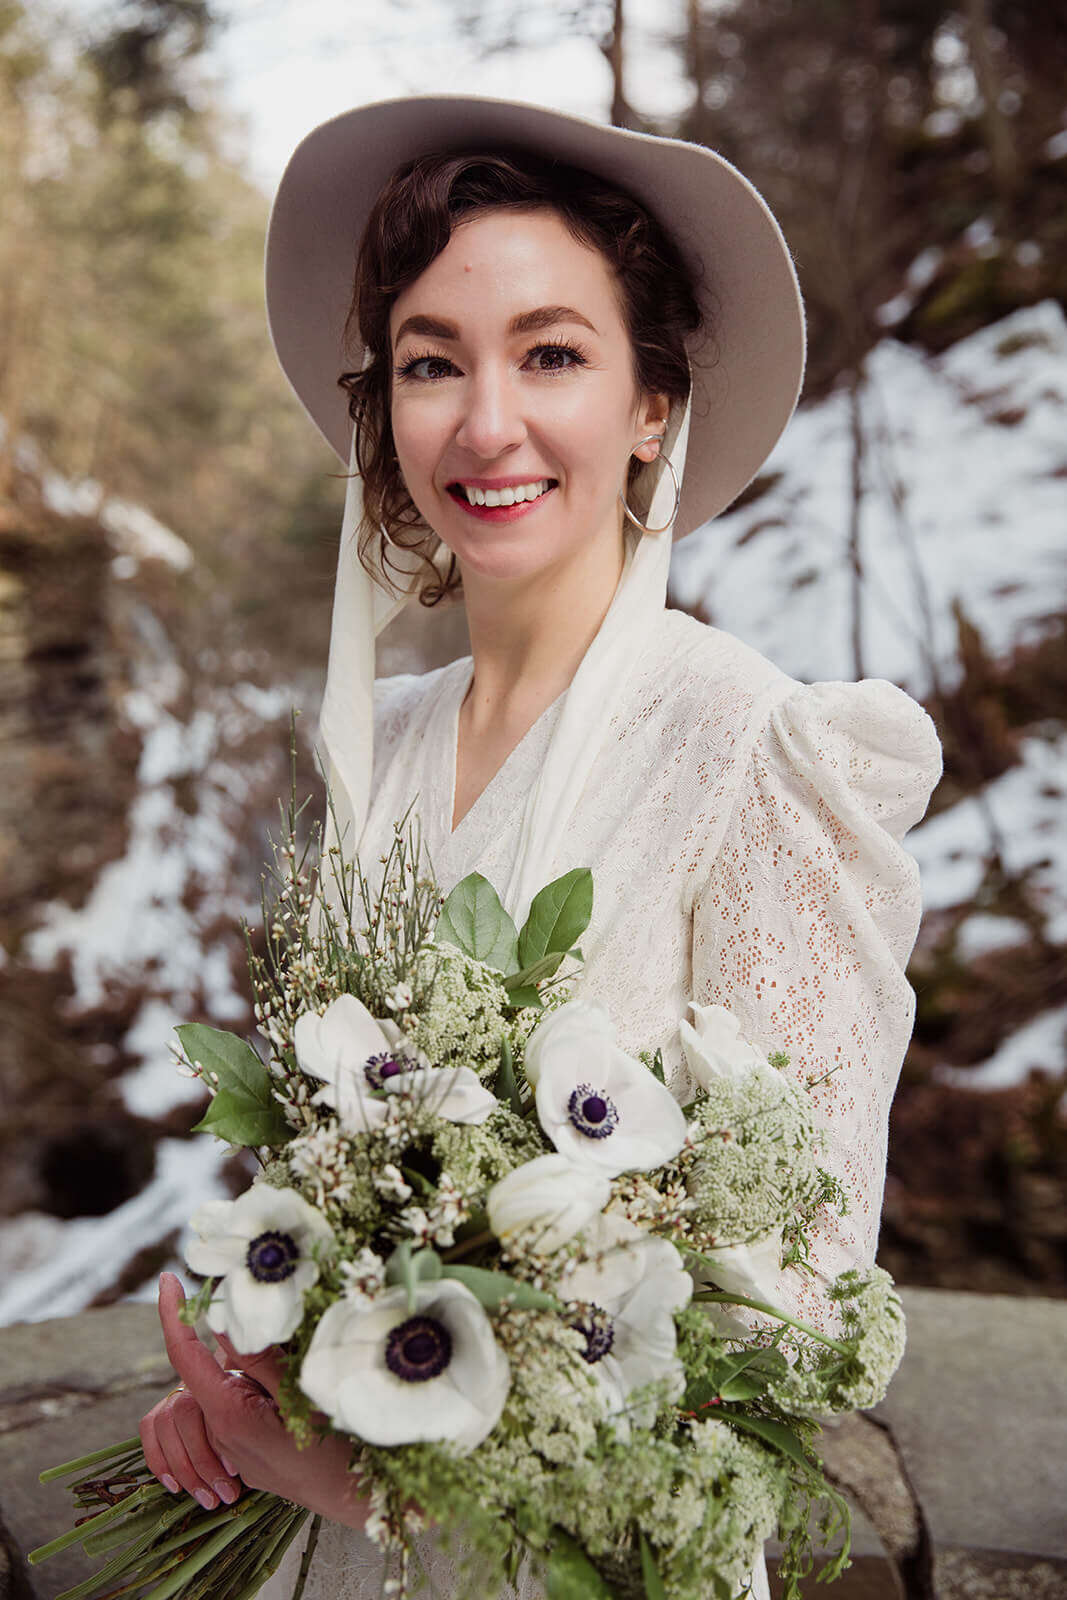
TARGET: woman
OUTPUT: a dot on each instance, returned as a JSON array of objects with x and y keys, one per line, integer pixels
[{"x": 545, "y": 312}]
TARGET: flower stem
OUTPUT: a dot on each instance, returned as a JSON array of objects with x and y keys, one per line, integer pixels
[
  {"x": 124, "y": 1448},
  {"x": 465, "y": 1246},
  {"x": 719, "y": 1298}
]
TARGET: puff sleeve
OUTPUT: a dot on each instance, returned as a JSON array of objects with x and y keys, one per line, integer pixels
[{"x": 807, "y": 919}]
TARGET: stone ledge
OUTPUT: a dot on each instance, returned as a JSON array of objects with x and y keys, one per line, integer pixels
[{"x": 956, "y": 1479}]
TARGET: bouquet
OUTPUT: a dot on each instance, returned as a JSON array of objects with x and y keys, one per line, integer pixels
[{"x": 497, "y": 1256}]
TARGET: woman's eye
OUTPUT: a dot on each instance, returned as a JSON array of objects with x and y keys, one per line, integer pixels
[
  {"x": 554, "y": 357},
  {"x": 426, "y": 368}
]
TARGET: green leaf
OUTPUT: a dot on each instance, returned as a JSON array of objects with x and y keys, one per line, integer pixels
[
  {"x": 506, "y": 1087},
  {"x": 776, "y": 1434},
  {"x": 492, "y": 1289},
  {"x": 539, "y": 970},
  {"x": 745, "y": 1374},
  {"x": 657, "y": 1066},
  {"x": 408, "y": 1267},
  {"x": 530, "y": 996},
  {"x": 244, "y": 1111},
  {"x": 240, "y": 1119},
  {"x": 654, "y": 1589},
  {"x": 570, "y": 1575},
  {"x": 559, "y": 915},
  {"x": 473, "y": 919}
]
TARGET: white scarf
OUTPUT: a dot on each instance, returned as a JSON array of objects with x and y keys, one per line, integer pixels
[{"x": 362, "y": 607}]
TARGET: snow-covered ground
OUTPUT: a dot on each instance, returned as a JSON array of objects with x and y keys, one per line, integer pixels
[
  {"x": 158, "y": 921},
  {"x": 964, "y": 501}
]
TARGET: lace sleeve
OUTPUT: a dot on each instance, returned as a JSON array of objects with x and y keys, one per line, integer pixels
[{"x": 807, "y": 920}]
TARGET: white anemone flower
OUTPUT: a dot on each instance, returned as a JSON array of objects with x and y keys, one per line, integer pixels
[
  {"x": 357, "y": 1057},
  {"x": 628, "y": 1289},
  {"x": 751, "y": 1270},
  {"x": 394, "y": 1375},
  {"x": 262, "y": 1246},
  {"x": 547, "y": 1201},
  {"x": 714, "y": 1048},
  {"x": 601, "y": 1109}
]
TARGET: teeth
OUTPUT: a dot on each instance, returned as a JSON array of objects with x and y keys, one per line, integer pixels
[{"x": 505, "y": 497}]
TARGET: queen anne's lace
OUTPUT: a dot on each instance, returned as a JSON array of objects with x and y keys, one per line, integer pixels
[{"x": 743, "y": 833}]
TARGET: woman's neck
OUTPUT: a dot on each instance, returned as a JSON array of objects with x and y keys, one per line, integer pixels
[{"x": 527, "y": 642}]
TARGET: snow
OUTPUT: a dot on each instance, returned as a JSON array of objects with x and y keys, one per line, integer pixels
[
  {"x": 963, "y": 503},
  {"x": 52, "y": 1268},
  {"x": 983, "y": 933},
  {"x": 1025, "y": 809},
  {"x": 144, "y": 921},
  {"x": 1040, "y": 1045}
]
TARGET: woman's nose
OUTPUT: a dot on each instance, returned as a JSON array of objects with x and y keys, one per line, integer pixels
[{"x": 492, "y": 422}]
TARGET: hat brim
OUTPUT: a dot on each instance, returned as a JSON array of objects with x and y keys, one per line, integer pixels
[{"x": 748, "y": 364}]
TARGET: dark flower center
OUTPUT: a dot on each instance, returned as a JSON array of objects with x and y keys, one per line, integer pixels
[
  {"x": 272, "y": 1257},
  {"x": 418, "y": 1349},
  {"x": 380, "y": 1068},
  {"x": 591, "y": 1113},
  {"x": 599, "y": 1332}
]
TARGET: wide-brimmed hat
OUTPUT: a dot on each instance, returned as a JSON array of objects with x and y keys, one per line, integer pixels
[{"x": 747, "y": 366}]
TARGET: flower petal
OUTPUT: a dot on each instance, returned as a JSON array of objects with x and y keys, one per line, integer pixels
[
  {"x": 714, "y": 1047},
  {"x": 751, "y": 1270},
  {"x": 345, "y": 1371}
]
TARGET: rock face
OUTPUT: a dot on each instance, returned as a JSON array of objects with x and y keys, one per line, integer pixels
[{"x": 956, "y": 1480}]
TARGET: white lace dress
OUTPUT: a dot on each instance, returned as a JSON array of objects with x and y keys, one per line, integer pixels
[{"x": 744, "y": 834}]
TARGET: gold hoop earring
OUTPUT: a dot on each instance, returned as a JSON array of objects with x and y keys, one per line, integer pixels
[{"x": 669, "y": 464}]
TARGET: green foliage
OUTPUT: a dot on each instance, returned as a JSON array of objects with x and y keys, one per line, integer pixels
[
  {"x": 473, "y": 919},
  {"x": 559, "y": 915},
  {"x": 569, "y": 1573},
  {"x": 494, "y": 1289},
  {"x": 244, "y": 1110}
]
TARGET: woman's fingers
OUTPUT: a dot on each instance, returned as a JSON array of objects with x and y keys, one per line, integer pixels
[
  {"x": 174, "y": 1434},
  {"x": 263, "y": 1368},
  {"x": 179, "y": 1452},
  {"x": 191, "y": 1360}
]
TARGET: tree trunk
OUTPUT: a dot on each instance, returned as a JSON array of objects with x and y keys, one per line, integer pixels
[{"x": 1000, "y": 140}]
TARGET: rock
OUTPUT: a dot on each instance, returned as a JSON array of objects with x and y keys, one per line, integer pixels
[
  {"x": 67, "y": 1387},
  {"x": 977, "y": 1414}
]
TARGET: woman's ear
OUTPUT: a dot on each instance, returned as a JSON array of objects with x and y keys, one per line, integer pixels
[{"x": 652, "y": 417}]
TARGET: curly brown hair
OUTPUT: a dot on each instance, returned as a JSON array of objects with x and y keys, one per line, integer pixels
[{"x": 411, "y": 224}]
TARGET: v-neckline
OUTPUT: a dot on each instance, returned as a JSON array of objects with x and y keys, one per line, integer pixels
[{"x": 464, "y": 683}]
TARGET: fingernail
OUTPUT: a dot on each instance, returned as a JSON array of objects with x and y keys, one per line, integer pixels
[
  {"x": 205, "y": 1498},
  {"x": 171, "y": 1485},
  {"x": 232, "y": 1470},
  {"x": 225, "y": 1491}
]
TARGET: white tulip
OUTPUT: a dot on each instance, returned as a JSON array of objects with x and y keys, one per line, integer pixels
[
  {"x": 548, "y": 1200},
  {"x": 714, "y": 1047},
  {"x": 392, "y": 1375},
  {"x": 262, "y": 1246},
  {"x": 631, "y": 1284},
  {"x": 601, "y": 1109},
  {"x": 359, "y": 1058}
]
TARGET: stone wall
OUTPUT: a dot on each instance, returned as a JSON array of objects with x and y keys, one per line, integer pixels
[{"x": 957, "y": 1480}]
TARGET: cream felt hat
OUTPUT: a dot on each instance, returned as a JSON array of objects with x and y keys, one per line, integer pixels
[{"x": 746, "y": 375}]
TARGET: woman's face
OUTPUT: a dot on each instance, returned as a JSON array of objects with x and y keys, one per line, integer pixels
[{"x": 514, "y": 406}]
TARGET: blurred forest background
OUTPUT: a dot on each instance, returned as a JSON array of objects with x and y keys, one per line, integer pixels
[{"x": 167, "y": 536}]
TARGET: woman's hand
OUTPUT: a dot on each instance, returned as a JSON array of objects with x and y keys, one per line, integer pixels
[{"x": 222, "y": 1429}]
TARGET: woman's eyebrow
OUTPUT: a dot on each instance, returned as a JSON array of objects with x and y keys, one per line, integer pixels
[
  {"x": 428, "y": 327},
  {"x": 547, "y": 317},
  {"x": 525, "y": 322}
]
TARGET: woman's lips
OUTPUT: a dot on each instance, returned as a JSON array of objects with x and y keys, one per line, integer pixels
[{"x": 512, "y": 513}]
